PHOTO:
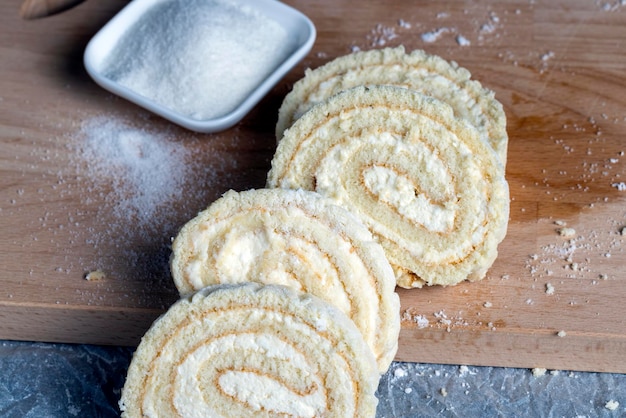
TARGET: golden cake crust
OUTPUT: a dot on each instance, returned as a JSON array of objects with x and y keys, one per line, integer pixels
[{"x": 417, "y": 70}]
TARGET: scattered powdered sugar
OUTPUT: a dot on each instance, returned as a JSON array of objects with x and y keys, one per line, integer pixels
[
  {"x": 381, "y": 34},
  {"x": 137, "y": 183},
  {"x": 143, "y": 169},
  {"x": 477, "y": 31},
  {"x": 442, "y": 320},
  {"x": 198, "y": 58},
  {"x": 578, "y": 253},
  {"x": 482, "y": 31},
  {"x": 422, "y": 321},
  {"x": 611, "y": 6}
]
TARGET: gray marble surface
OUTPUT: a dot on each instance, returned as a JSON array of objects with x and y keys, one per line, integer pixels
[{"x": 61, "y": 380}]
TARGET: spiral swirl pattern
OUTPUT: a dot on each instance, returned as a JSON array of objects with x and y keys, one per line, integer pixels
[
  {"x": 251, "y": 350},
  {"x": 427, "y": 186},
  {"x": 428, "y": 74},
  {"x": 298, "y": 239}
]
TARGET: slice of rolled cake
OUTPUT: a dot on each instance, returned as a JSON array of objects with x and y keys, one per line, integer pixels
[
  {"x": 428, "y": 74},
  {"x": 431, "y": 191},
  {"x": 299, "y": 239},
  {"x": 248, "y": 350}
]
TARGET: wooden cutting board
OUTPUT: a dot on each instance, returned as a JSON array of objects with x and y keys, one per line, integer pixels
[{"x": 558, "y": 67}]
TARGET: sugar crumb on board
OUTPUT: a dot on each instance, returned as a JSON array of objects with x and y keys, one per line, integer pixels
[
  {"x": 462, "y": 40},
  {"x": 620, "y": 186},
  {"x": 420, "y": 320},
  {"x": 439, "y": 319},
  {"x": 566, "y": 232},
  {"x": 435, "y": 34},
  {"x": 382, "y": 34},
  {"x": 95, "y": 275},
  {"x": 432, "y": 29},
  {"x": 577, "y": 251}
]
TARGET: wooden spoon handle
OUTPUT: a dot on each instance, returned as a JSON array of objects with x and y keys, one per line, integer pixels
[{"x": 35, "y": 9}]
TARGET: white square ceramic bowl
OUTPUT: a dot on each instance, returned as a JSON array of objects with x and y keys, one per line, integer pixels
[{"x": 298, "y": 27}]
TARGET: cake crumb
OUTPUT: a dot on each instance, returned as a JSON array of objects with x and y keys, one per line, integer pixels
[
  {"x": 549, "y": 289},
  {"x": 561, "y": 333},
  {"x": 487, "y": 304},
  {"x": 560, "y": 223},
  {"x": 443, "y": 392},
  {"x": 611, "y": 405},
  {"x": 95, "y": 275}
]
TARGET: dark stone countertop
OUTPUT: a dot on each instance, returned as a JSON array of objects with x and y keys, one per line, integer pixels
[{"x": 63, "y": 380}]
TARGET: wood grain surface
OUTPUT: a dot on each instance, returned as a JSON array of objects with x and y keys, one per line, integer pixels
[{"x": 558, "y": 67}]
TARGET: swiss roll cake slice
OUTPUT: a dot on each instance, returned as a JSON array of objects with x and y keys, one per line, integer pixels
[
  {"x": 432, "y": 192},
  {"x": 249, "y": 350},
  {"x": 418, "y": 70},
  {"x": 298, "y": 239}
]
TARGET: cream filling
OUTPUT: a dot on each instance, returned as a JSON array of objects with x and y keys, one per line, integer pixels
[
  {"x": 265, "y": 393},
  {"x": 256, "y": 390},
  {"x": 400, "y": 192}
]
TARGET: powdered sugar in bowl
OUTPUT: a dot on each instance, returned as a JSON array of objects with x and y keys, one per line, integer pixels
[{"x": 202, "y": 64}]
